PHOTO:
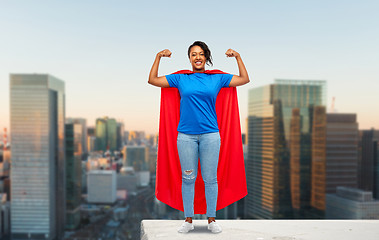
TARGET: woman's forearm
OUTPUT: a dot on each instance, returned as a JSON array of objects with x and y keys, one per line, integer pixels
[
  {"x": 243, "y": 77},
  {"x": 154, "y": 69},
  {"x": 242, "y": 69},
  {"x": 153, "y": 76}
]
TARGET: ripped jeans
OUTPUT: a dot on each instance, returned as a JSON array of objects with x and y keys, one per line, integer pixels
[{"x": 191, "y": 147}]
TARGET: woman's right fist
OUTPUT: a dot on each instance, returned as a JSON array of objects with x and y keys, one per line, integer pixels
[{"x": 165, "y": 53}]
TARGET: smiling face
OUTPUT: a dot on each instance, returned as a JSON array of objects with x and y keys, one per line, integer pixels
[{"x": 197, "y": 59}]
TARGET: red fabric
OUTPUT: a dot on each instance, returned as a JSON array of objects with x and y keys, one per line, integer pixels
[{"x": 231, "y": 171}]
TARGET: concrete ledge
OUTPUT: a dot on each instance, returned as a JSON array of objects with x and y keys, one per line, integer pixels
[{"x": 265, "y": 229}]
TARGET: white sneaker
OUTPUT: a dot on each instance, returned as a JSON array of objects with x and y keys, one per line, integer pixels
[
  {"x": 214, "y": 227},
  {"x": 186, "y": 227}
]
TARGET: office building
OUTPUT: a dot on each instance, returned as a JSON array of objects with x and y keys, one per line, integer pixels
[
  {"x": 91, "y": 139},
  {"x": 368, "y": 164},
  {"x": 143, "y": 178},
  {"x": 136, "y": 157},
  {"x": 351, "y": 203},
  {"x": 73, "y": 174},
  {"x": 5, "y": 155},
  {"x": 101, "y": 143},
  {"x": 277, "y": 178},
  {"x": 80, "y": 127},
  {"x": 4, "y": 216},
  {"x": 4, "y": 169},
  {"x": 334, "y": 149},
  {"x": 102, "y": 186},
  {"x": 127, "y": 182},
  {"x": 152, "y": 162},
  {"x": 120, "y": 135},
  {"x": 136, "y": 138},
  {"x": 341, "y": 151},
  {"x": 84, "y": 177},
  {"x": 106, "y": 134},
  {"x": 152, "y": 140},
  {"x": 37, "y": 118},
  {"x": 318, "y": 165},
  {"x": 112, "y": 134}
]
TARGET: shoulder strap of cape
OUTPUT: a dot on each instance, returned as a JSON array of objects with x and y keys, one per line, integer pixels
[{"x": 214, "y": 71}]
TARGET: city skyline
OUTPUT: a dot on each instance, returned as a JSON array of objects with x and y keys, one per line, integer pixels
[{"x": 104, "y": 51}]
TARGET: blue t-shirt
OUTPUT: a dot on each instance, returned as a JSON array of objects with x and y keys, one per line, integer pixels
[{"x": 198, "y": 92}]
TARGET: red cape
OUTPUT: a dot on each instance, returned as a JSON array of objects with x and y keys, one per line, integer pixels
[{"x": 231, "y": 170}]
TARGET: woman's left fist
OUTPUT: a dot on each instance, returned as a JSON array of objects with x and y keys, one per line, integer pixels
[{"x": 232, "y": 53}]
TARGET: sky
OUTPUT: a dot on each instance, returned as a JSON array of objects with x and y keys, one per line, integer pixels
[{"x": 103, "y": 50}]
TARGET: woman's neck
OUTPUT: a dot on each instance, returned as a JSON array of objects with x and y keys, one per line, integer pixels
[{"x": 198, "y": 70}]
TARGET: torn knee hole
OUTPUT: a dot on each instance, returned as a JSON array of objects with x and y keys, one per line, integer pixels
[{"x": 188, "y": 175}]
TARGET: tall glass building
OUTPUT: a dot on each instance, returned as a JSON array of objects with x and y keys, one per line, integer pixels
[
  {"x": 101, "y": 135},
  {"x": 81, "y": 146},
  {"x": 112, "y": 134},
  {"x": 280, "y": 121},
  {"x": 342, "y": 151},
  {"x": 73, "y": 174},
  {"x": 368, "y": 174},
  {"x": 37, "y": 114},
  {"x": 106, "y": 134},
  {"x": 319, "y": 161}
]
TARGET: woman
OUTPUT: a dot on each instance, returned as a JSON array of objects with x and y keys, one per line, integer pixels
[{"x": 198, "y": 134}]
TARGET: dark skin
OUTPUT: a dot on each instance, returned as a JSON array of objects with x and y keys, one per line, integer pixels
[{"x": 210, "y": 219}]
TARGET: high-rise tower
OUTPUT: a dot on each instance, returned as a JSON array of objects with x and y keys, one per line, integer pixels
[
  {"x": 279, "y": 147},
  {"x": 37, "y": 115},
  {"x": 106, "y": 134}
]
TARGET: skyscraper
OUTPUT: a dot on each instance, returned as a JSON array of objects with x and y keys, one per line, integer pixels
[
  {"x": 318, "y": 165},
  {"x": 37, "y": 115},
  {"x": 73, "y": 136},
  {"x": 368, "y": 175},
  {"x": 101, "y": 141},
  {"x": 341, "y": 151},
  {"x": 120, "y": 135},
  {"x": 280, "y": 121},
  {"x": 334, "y": 152},
  {"x": 112, "y": 134},
  {"x": 106, "y": 134},
  {"x": 80, "y": 126},
  {"x": 91, "y": 139}
]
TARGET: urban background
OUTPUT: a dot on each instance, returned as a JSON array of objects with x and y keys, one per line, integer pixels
[
  {"x": 78, "y": 162},
  {"x": 302, "y": 162}
]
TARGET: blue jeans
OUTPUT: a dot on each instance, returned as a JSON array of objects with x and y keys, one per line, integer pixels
[{"x": 190, "y": 148}]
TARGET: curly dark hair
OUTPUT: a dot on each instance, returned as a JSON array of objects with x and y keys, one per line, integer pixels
[{"x": 207, "y": 52}]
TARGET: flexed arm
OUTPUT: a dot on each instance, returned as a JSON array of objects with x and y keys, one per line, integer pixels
[
  {"x": 243, "y": 77},
  {"x": 153, "y": 76}
]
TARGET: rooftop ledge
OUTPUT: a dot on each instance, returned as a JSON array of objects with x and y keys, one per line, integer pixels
[{"x": 264, "y": 230}]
